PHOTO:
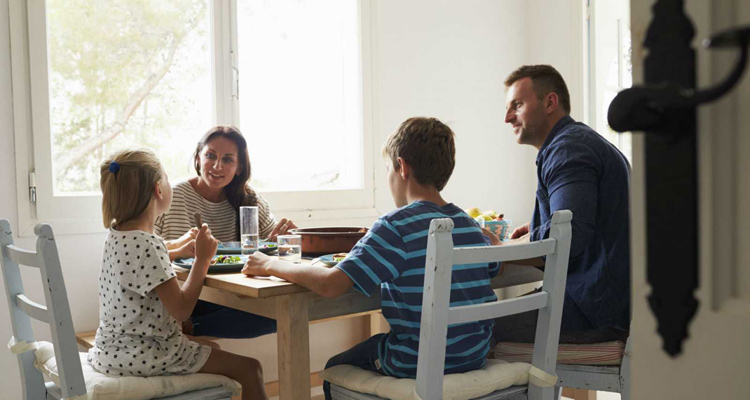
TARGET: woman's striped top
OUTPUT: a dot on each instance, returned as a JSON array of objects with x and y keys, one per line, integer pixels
[
  {"x": 221, "y": 217},
  {"x": 391, "y": 257}
]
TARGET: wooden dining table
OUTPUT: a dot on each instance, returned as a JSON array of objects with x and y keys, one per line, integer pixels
[{"x": 294, "y": 307}]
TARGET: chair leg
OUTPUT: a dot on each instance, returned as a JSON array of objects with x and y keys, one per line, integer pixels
[{"x": 625, "y": 372}]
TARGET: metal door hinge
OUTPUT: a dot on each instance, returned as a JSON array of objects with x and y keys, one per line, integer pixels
[{"x": 32, "y": 187}]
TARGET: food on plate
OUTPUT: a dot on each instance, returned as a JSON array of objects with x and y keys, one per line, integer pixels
[
  {"x": 269, "y": 245},
  {"x": 226, "y": 260},
  {"x": 339, "y": 257},
  {"x": 363, "y": 230}
]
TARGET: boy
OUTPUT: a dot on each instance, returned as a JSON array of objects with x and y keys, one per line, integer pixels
[{"x": 391, "y": 256}]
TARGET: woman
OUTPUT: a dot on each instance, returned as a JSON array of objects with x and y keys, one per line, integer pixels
[{"x": 217, "y": 193}]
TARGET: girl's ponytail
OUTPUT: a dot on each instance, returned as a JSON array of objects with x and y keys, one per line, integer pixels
[{"x": 127, "y": 181}]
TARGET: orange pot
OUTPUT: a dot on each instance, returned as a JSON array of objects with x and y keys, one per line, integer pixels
[{"x": 327, "y": 240}]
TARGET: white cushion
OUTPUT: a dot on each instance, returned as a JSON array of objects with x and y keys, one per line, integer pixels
[
  {"x": 496, "y": 375},
  {"x": 102, "y": 387}
]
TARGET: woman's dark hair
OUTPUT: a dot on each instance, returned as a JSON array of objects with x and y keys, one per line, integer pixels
[{"x": 238, "y": 191}]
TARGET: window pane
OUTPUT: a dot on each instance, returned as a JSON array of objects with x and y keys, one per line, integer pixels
[
  {"x": 300, "y": 93},
  {"x": 613, "y": 67},
  {"x": 126, "y": 74}
]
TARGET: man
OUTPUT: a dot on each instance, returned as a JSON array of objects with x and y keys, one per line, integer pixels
[{"x": 577, "y": 170}]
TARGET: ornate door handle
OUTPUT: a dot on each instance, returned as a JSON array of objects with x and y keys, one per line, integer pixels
[
  {"x": 643, "y": 108},
  {"x": 665, "y": 108}
]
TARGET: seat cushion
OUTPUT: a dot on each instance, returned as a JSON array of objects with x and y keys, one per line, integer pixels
[
  {"x": 103, "y": 387},
  {"x": 497, "y": 374},
  {"x": 608, "y": 353}
]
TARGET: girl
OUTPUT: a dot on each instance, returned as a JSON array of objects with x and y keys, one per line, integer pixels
[{"x": 140, "y": 298}]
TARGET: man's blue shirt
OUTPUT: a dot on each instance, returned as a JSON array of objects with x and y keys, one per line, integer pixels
[
  {"x": 579, "y": 170},
  {"x": 391, "y": 257}
]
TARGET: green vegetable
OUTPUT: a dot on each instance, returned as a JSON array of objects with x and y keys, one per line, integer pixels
[{"x": 227, "y": 260}]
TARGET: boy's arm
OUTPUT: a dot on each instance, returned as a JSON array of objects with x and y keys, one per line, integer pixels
[{"x": 327, "y": 282}]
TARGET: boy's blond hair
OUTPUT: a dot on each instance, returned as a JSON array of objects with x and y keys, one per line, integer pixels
[
  {"x": 428, "y": 146},
  {"x": 127, "y": 181}
]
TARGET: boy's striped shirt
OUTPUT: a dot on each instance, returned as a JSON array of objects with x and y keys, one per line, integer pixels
[{"x": 392, "y": 256}]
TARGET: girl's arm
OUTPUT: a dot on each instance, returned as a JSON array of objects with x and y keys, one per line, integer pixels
[{"x": 180, "y": 301}]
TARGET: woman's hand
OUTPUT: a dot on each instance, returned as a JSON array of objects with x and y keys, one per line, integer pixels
[
  {"x": 205, "y": 245},
  {"x": 182, "y": 240},
  {"x": 187, "y": 250},
  {"x": 257, "y": 264},
  {"x": 281, "y": 229}
]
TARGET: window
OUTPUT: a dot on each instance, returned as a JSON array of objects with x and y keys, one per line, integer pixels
[
  {"x": 108, "y": 74},
  {"x": 299, "y": 86},
  {"x": 608, "y": 64}
]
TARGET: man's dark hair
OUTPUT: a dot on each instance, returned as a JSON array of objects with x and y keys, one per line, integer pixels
[{"x": 545, "y": 79}]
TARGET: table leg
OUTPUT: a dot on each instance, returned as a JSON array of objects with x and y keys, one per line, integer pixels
[
  {"x": 293, "y": 346},
  {"x": 378, "y": 324}
]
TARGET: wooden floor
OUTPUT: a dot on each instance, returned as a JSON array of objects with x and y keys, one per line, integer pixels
[{"x": 316, "y": 393}]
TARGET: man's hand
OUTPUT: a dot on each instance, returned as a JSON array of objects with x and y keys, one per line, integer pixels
[
  {"x": 256, "y": 265},
  {"x": 494, "y": 240},
  {"x": 520, "y": 231},
  {"x": 281, "y": 228}
]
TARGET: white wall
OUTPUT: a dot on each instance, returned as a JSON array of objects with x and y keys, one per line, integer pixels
[
  {"x": 449, "y": 61},
  {"x": 444, "y": 59}
]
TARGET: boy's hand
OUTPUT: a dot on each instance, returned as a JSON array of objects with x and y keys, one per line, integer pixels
[
  {"x": 520, "y": 231},
  {"x": 494, "y": 240},
  {"x": 257, "y": 265},
  {"x": 205, "y": 244}
]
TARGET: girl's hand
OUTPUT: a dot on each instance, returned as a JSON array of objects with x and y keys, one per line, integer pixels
[
  {"x": 205, "y": 245},
  {"x": 257, "y": 265},
  {"x": 187, "y": 250},
  {"x": 281, "y": 229}
]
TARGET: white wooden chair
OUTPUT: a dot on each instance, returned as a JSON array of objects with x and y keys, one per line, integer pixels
[
  {"x": 437, "y": 314},
  {"x": 57, "y": 314},
  {"x": 614, "y": 378}
]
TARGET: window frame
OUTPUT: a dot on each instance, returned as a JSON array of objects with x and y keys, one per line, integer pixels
[
  {"x": 593, "y": 91},
  {"x": 77, "y": 214}
]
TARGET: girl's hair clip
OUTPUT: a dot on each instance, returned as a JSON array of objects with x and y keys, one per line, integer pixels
[{"x": 114, "y": 167}]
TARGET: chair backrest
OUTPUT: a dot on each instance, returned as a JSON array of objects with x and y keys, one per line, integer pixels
[
  {"x": 56, "y": 313},
  {"x": 437, "y": 313}
]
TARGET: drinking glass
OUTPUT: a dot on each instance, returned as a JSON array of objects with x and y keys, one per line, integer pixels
[
  {"x": 249, "y": 229},
  {"x": 290, "y": 248}
]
